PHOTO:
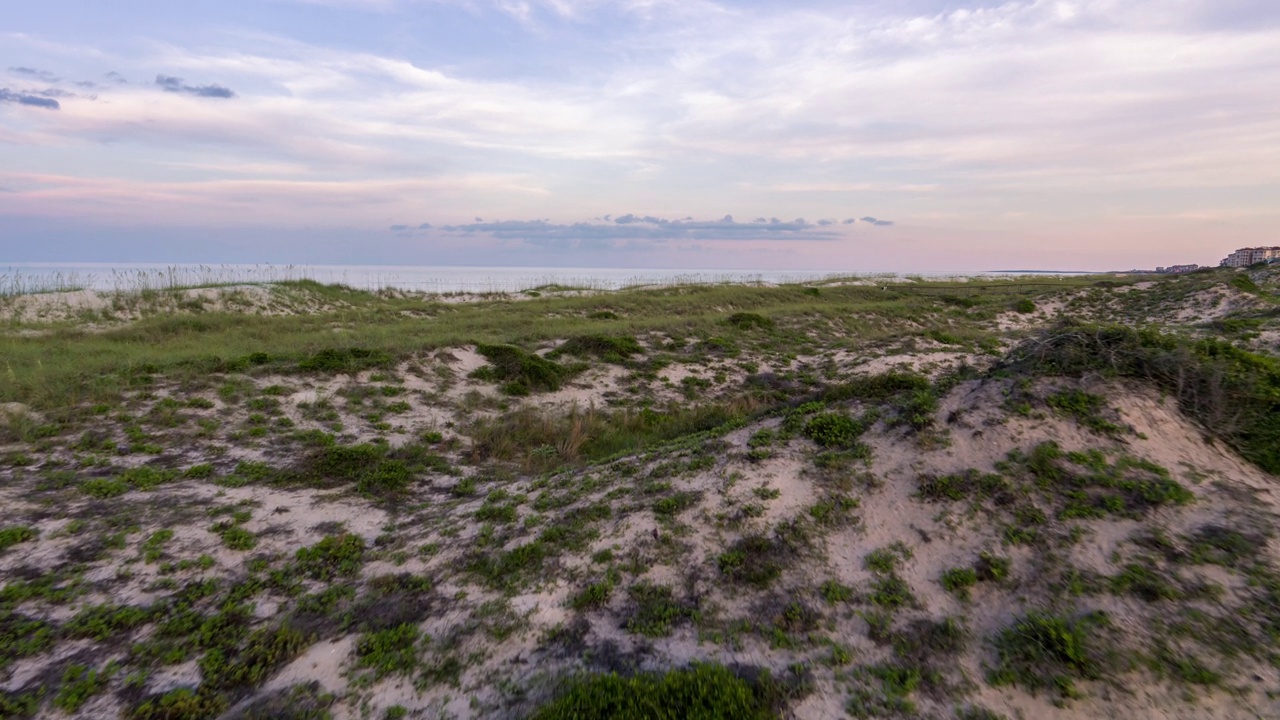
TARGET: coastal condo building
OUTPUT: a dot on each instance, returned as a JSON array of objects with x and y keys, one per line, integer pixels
[{"x": 1248, "y": 256}]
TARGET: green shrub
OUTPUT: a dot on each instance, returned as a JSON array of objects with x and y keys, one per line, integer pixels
[
  {"x": 334, "y": 556},
  {"x": 104, "y": 488},
  {"x": 1041, "y": 651},
  {"x": 834, "y": 592},
  {"x": 833, "y": 430},
  {"x": 153, "y": 546},
  {"x": 1024, "y": 306},
  {"x": 21, "y": 636},
  {"x": 79, "y": 683},
  {"x": 593, "y": 596},
  {"x": 1233, "y": 393},
  {"x": 14, "y": 534},
  {"x": 886, "y": 559},
  {"x": 521, "y": 371},
  {"x": 18, "y": 705},
  {"x": 390, "y": 651},
  {"x": 346, "y": 360},
  {"x": 1217, "y": 545},
  {"x": 748, "y": 321},
  {"x": 968, "y": 484},
  {"x": 656, "y": 611},
  {"x": 876, "y": 388},
  {"x": 674, "y": 504},
  {"x": 957, "y": 581},
  {"x": 992, "y": 568},
  {"x": 1086, "y": 408},
  {"x": 753, "y": 560},
  {"x": 891, "y": 592},
  {"x": 917, "y": 409},
  {"x": 701, "y": 692},
  {"x": 237, "y": 538},
  {"x": 264, "y": 652},
  {"x": 507, "y": 570},
  {"x": 1146, "y": 583},
  {"x": 101, "y": 622},
  {"x": 608, "y": 348},
  {"x": 1246, "y": 284},
  {"x": 179, "y": 704}
]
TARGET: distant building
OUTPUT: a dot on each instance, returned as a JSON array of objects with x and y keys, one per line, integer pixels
[
  {"x": 1174, "y": 269},
  {"x": 1245, "y": 257}
]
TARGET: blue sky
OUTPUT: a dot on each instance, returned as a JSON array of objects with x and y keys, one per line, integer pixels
[{"x": 917, "y": 135}]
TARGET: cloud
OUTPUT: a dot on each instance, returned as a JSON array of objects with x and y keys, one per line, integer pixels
[
  {"x": 175, "y": 85},
  {"x": 645, "y": 229},
  {"x": 41, "y": 75},
  {"x": 399, "y": 228},
  {"x": 424, "y": 226},
  {"x": 7, "y": 95}
]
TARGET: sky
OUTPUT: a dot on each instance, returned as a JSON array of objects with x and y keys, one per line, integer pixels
[{"x": 872, "y": 135}]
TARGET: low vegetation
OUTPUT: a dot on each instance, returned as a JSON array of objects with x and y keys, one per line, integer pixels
[{"x": 867, "y": 498}]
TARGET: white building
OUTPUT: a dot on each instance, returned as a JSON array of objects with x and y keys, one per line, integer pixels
[{"x": 1245, "y": 257}]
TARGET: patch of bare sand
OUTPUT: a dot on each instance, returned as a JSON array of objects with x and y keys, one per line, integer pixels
[{"x": 1214, "y": 303}]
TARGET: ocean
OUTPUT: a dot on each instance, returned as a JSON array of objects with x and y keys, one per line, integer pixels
[{"x": 143, "y": 276}]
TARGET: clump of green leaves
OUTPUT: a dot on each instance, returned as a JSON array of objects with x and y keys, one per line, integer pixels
[
  {"x": 521, "y": 372},
  {"x": 701, "y": 692},
  {"x": 615, "y": 349},
  {"x": 390, "y": 651},
  {"x": 14, "y": 534},
  {"x": 101, "y": 622},
  {"x": 79, "y": 683},
  {"x": 1086, "y": 408},
  {"x": 970, "y": 484},
  {"x": 346, "y": 360},
  {"x": 1233, "y": 393},
  {"x": 753, "y": 560},
  {"x": 957, "y": 581},
  {"x": 1052, "y": 652},
  {"x": 656, "y": 611},
  {"x": 179, "y": 704},
  {"x": 748, "y": 321},
  {"x": 334, "y": 556},
  {"x": 833, "y": 429}
]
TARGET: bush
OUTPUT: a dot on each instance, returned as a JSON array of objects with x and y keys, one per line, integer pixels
[
  {"x": 264, "y": 652},
  {"x": 701, "y": 692},
  {"x": 656, "y": 610},
  {"x": 1041, "y": 651},
  {"x": 1024, "y": 306},
  {"x": 876, "y": 388},
  {"x": 334, "y": 556},
  {"x": 608, "y": 348},
  {"x": 1086, "y": 408},
  {"x": 79, "y": 683},
  {"x": 833, "y": 430},
  {"x": 346, "y": 360},
  {"x": 958, "y": 581},
  {"x": 390, "y": 651},
  {"x": 753, "y": 560},
  {"x": 1233, "y": 393},
  {"x": 101, "y": 622},
  {"x": 522, "y": 372},
  {"x": 747, "y": 321},
  {"x": 15, "y": 534},
  {"x": 180, "y": 704}
]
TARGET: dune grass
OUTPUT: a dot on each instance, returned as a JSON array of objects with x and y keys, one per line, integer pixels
[{"x": 66, "y": 366}]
